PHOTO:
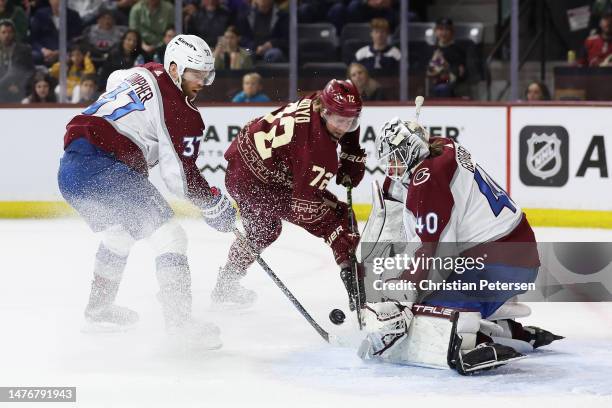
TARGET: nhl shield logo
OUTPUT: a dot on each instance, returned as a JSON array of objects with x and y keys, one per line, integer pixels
[{"x": 544, "y": 155}]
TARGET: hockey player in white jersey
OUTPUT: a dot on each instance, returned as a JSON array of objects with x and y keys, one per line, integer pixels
[
  {"x": 145, "y": 118},
  {"x": 440, "y": 195}
]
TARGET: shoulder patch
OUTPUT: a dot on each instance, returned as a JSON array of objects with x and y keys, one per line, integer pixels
[{"x": 421, "y": 176}]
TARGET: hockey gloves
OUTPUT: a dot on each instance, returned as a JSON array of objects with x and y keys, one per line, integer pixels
[
  {"x": 351, "y": 284},
  {"x": 352, "y": 168},
  {"x": 220, "y": 214}
]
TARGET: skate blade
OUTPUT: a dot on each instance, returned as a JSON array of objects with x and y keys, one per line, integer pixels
[{"x": 92, "y": 327}]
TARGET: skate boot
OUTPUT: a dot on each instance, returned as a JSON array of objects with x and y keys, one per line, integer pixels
[
  {"x": 175, "y": 297},
  {"x": 229, "y": 293},
  {"x": 539, "y": 337},
  {"x": 514, "y": 334},
  {"x": 101, "y": 314}
]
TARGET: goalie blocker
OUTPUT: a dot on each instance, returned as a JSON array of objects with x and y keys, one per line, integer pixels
[{"x": 430, "y": 336}]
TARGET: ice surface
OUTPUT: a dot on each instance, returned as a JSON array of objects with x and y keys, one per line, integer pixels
[{"x": 271, "y": 356}]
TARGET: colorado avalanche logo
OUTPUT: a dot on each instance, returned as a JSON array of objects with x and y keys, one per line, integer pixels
[{"x": 544, "y": 155}]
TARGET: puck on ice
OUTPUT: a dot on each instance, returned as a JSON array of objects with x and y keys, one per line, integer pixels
[{"x": 337, "y": 316}]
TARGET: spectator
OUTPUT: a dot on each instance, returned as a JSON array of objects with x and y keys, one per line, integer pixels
[
  {"x": 598, "y": 9},
  {"x": 537, "y": 91},
  {"x": 209, "y": 22},
  {"x": 103, "y": 36},
  {"x": 151, "y": 18},
  {"x": 122, "y": 12},
  {"x": 44, "y": 35},
  {"x": 89, "y": 9},
  {"x": 124, "y": 55},
  {"x": 598, "y": 48},
  {"x": 379, "y": 57},
  {"x": 229, "y": 55},
  {"x": 14, "y": 13},
  {"x": 368, "y": 88},
  {"x": 446, "y": 66},
  {"x": 252, "y": 90},
  {"x": 15, "y": 63},
  {"x": 79, "y": 64},
  {"x": 161, "y": 50},
  {"x": 87, "y": 90},
  {"x": 40, "y": 90},
  {"x": 265, "y": 29}
]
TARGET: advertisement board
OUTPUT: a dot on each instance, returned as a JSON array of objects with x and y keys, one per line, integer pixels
[
  {"x": 33, "y": 141},
  {"x": 559, "y": 157}
]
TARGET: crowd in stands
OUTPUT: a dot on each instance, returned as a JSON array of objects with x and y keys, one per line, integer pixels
[{"x": 106, "y": 35}]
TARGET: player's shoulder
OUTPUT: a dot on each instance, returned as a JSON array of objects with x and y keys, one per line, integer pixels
[
  {"x": 441, "y": 162},
  {"x": 155, "y": 68}
]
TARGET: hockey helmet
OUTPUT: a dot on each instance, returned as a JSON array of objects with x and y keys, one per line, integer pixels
[
  {"x": 190, "y": 51},
  {"x": 400, "y": 146},
  {"x": 341, "y": 104}
]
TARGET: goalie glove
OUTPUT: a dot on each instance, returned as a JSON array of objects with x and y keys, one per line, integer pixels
[
  {"x": 387, "y": 324},
  {"x": 220, "y": 214}
]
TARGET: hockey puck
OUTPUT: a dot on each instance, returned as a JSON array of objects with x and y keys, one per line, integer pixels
[{"x": 337, "y": 316}]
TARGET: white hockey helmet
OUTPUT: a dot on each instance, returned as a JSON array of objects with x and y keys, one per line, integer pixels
[
  {"x": 400, "y": 146},
  {"x": 190, "y": 51}
]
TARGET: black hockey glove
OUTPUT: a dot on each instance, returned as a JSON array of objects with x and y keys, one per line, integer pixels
[
  {"x": 352, "y": 168},
  {"x": 220, "y": 214}
]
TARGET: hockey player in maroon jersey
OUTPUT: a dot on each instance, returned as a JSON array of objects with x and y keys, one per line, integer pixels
[
  {"x": 278, "y": 169},
  {"x": 146, "y": 118},
  {"x": 444, "y": 204}
]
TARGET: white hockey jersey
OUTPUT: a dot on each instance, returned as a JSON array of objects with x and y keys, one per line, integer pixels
[
  {"x": 144, "y": 120},
  {"x": 450, "y": 198}
]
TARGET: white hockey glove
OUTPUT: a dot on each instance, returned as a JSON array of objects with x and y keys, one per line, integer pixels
[
  {"x": 220, "y": 214},
  {"x": 387, "y": 324}
]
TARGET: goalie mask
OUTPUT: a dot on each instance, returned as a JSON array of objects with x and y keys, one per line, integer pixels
[
  {"x": 190, "y": 51},
  {"x": 400, "y": 146}
]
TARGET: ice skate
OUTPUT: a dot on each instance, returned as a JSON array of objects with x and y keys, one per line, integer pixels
[
  {"x": 101, "y": 314},
  {"x": 230, "y": 294},
  {"x": 540, "y": 337},
  {"x": 109, "y": 318}
]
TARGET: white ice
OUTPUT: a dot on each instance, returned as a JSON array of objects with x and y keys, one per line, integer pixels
[{"x": 271, "y": 356}]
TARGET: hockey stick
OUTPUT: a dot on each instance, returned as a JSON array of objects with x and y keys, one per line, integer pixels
[
  {"x": 330, "y": 338},
  {"x": 353, "y": 257}
]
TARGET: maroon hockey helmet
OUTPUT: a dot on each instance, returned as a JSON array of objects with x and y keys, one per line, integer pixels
[
  {"x": 342, "y": 104},
  {"x": 341, "y": 98}
]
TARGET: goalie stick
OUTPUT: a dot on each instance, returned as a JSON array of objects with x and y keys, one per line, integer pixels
[{"x": 328, "y": 337}]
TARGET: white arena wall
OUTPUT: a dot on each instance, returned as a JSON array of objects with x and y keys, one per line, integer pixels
[{"x": 551, "y": 158}]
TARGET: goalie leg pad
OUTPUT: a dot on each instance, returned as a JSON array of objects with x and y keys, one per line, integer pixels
[{"x": 420, "y": 336}]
